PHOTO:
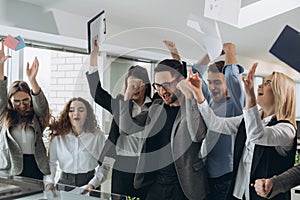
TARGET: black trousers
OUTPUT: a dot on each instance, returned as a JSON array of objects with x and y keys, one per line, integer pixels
[
  {"x": 159, "y": 191},
  {"x": 30, "y": 168},
  {"x": 123, "y": 178}
]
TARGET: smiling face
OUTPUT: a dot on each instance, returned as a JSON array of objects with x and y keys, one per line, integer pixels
[
  {"x": 21, "y": 102},
  {"x": 77, "y": 115},
  {"x": 265, "y": 95},
  {"x": 217, "y": 86},
  {"x": 165, "y": 84}
]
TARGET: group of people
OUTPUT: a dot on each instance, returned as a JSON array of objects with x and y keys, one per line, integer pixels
[{"x": 189, "y": 140}]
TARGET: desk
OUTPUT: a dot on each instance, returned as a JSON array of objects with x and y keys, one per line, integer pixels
[{"x": 22, "y": 188}]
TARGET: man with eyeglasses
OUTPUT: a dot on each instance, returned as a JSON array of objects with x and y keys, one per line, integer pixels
[{"x": 169, "y": 163}]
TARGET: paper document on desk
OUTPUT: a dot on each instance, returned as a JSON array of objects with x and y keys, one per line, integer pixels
[{"x": 74, "y": 194}]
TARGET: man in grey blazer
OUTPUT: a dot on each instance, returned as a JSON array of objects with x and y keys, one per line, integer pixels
[
  {"x": 270, "y": 187},
  {"x": 169, "y": 164}
]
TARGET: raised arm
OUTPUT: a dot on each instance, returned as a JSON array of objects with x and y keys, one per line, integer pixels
[
  {"x": 3, "y": 58},
  {"x": 171, "y": 46},
  {"x": 3, "y": 82},
  {"x": 100, "y": 96},
  {"x": 213, "y": 122},
  {"x": 39, "y": 101},
  {"x": 31, "y": 73}
]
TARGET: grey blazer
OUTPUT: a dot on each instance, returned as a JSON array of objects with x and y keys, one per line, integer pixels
[
  {"x": 187, "y": 135},
  {"x": 11, "y": 155},
  {"x": 285, "y": 181}
]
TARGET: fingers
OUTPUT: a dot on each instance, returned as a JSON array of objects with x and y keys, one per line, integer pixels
[
  {"x": 96, "y": 43},
  {"x": 27, "y": 67}
]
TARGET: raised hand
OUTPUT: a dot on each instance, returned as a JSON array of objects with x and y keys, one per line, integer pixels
[
  {"x": 172, "y": 49},
  {"x": 185, "y": 88},
  {"x": 3, "y": 57},
  {"x": 32, "y": 71},
  {"x": 263, "y": 187},
  {"x": 229, "y": 50},
  {"x": 249, "y": 87},
  {"x": 94, "y": 54},
  {"x": 195, "y": 83},
  {"x": 133, "y": 86}
]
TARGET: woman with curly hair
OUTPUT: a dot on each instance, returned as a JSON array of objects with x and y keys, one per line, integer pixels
[{"x": 76, "y": 143}]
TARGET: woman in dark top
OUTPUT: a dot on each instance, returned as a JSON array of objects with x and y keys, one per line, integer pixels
[{"x": 123, "y": 148}]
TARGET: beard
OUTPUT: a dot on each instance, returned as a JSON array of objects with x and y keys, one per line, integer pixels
[{"x": 177, "y": 94}]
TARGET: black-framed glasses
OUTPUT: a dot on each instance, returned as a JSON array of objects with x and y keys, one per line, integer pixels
[
  {"x": 18, "y": 102},
  {"x": 166, "y": 85},
  {"x": 266, "y": 83}
]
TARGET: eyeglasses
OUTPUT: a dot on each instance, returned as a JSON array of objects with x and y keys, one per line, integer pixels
[
  {"x": 166, "y": 85},
  {"x": 18, "y": 102},
  {"x": 266, "y": 83}
]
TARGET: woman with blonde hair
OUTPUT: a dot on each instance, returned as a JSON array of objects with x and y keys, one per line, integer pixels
[{"x": 265, "y": 142}]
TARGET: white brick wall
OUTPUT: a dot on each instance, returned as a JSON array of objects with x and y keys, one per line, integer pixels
[{"x": 67, "y": 80}]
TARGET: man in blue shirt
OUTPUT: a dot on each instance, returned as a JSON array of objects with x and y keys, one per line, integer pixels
[{"x": 226, "y": 97}]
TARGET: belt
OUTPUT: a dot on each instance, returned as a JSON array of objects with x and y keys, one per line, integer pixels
[{"x": 77, "y": 176}]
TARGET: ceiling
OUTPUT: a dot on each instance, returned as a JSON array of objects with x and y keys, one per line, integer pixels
[{"x": 167, "y": 19}]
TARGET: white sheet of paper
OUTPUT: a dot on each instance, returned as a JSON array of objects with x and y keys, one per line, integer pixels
[
  {"x": 223, "y": 10},
  {"x": 193, "y": 22},
  {"x": 212, "y": 39}
]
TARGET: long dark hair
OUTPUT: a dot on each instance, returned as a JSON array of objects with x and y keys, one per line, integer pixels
[
  {"x": 140, "y": 73},
  {"x": 62, "y": 124},
  {"x": 12, "y": 116}
]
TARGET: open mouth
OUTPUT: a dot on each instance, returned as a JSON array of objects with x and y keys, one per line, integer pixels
[
  {"x": 136, "y": 94},
  {"x": 76, "y": 119},
  {"x": 215, "y": 94},
  {"x": 166, "y": 96}
]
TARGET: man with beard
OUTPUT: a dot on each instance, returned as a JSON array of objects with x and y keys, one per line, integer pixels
[{"x": 169, "y": 163}]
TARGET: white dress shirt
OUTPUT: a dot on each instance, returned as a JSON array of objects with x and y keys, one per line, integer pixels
[
  {"x": 25, "y": 137},
  {"x": 281, "y": 136},
  {"x": 75, "y": 154}
]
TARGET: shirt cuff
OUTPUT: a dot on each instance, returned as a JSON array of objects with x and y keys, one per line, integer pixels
[
  {"x": 202, "y": 105},
  {"x": 48, "y": 180},
  {"x": 92, "y": 69},
  {"x": 251, "y": 112}
]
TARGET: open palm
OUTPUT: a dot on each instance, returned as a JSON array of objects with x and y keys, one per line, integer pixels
[{"x": 32, "y": 71}]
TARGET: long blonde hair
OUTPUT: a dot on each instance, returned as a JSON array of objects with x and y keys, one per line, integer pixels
[{"x": 285, "y": 97}]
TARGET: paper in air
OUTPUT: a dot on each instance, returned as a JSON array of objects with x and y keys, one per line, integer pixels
[
  {"x": 287, "y": 47},
  {"x": 211, "y": 34}
]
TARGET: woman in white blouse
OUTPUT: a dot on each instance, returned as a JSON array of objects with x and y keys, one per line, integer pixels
[
  {"x": 76, "y": 143},
  {"x": 265, "y": 141}
]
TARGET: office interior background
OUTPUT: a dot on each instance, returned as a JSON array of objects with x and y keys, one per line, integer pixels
[{"x": 56, "y": 32}]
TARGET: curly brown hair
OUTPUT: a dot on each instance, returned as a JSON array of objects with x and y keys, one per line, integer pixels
[{"x": 62, "y": 125}]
